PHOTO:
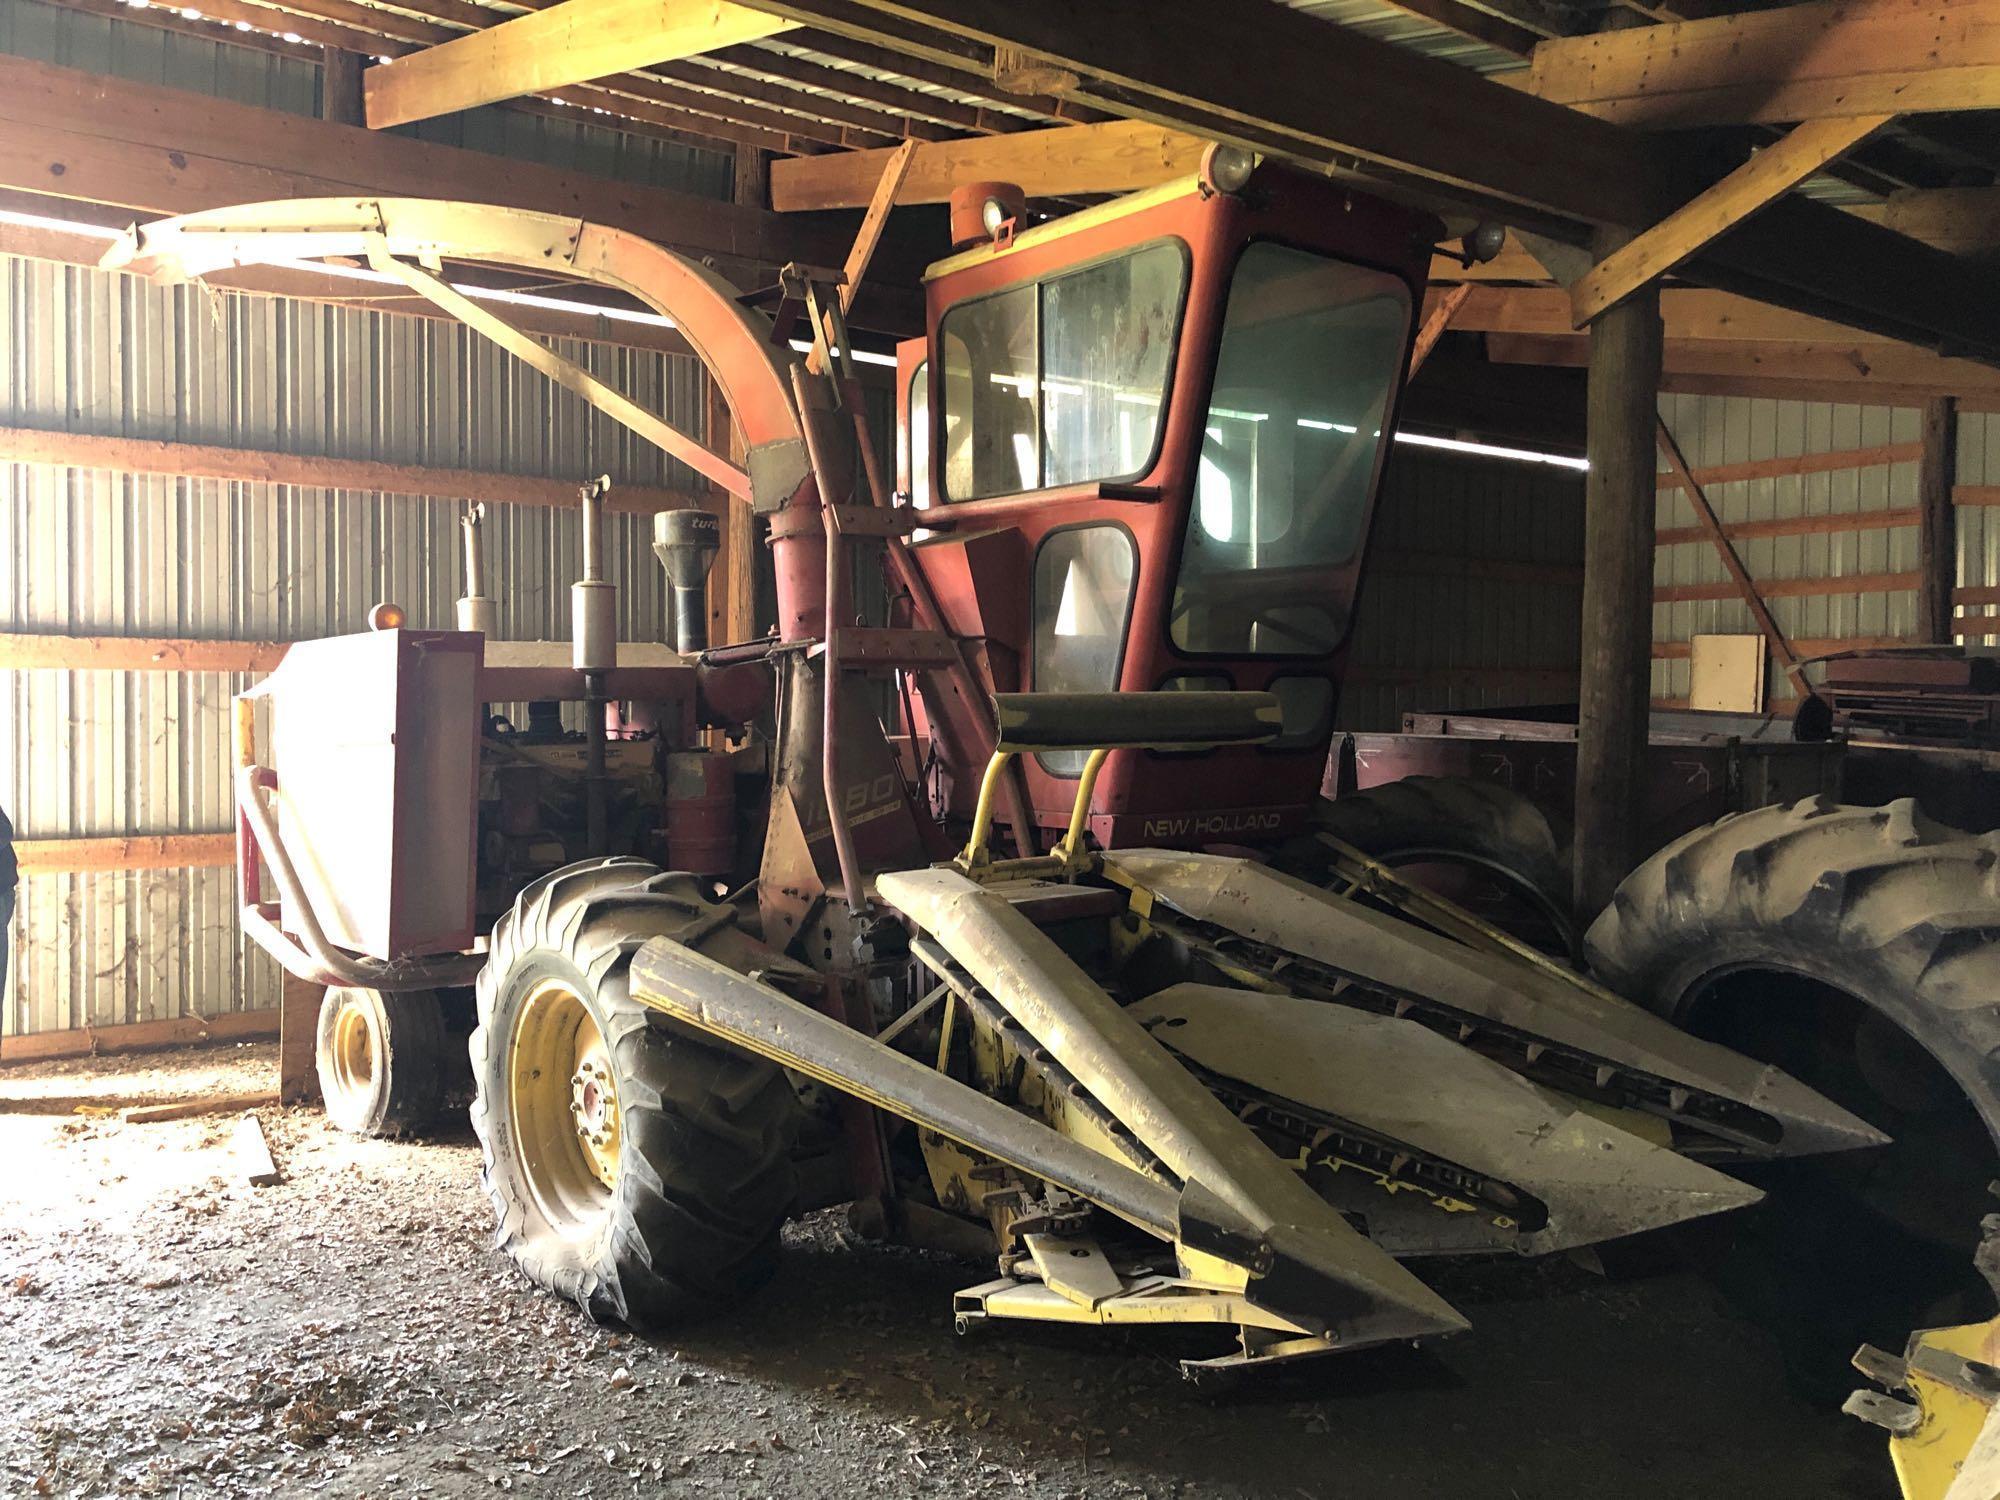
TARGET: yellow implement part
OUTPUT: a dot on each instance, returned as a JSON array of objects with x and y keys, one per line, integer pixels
[{"x": 1932, "y": 1462}]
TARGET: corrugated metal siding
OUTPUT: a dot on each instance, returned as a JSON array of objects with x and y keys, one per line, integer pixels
[
  {"x": 88, "y": 552},
  {"x": 1734, "y": 429},
  {"x": 1979, "y": 525},
  {"x": 1426, "y": 636},
  {"x": 171, "y": 59}
]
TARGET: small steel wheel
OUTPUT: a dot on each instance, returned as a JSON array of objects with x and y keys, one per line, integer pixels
[{"x": 380, "y": 1059}]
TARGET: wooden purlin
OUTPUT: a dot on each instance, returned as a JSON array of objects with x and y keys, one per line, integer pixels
[
  {"x": 149, "y": 851},
  {"x": 1116, "y": 157},
  {"x": 1788, "y": 588},
  {"x": 1824, "y": 59},
  {"x": 82, "y": 450}
]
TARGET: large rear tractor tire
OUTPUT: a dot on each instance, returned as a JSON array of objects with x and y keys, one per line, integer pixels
[
  {"x": 1858, "y": 948},
  {"x": 380, "y": 1057},
  {"x": 1477, "y": 843},
  {"x": 634, "y": 1167}
]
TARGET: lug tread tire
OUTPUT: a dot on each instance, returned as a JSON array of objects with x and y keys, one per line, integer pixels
[
  {"x": 1883, "y": 902},
  {"x": 705, "y": 1175},
  {"x": 407, "y": 1085}
]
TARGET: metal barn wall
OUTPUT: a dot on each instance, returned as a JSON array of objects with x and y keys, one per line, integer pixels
[
  {"x": 81, "y": 552},
  {"x": 1978, "y": 526},
  {"x": 1473, "y": 593},
  {"x": 1714, "y": 430}
]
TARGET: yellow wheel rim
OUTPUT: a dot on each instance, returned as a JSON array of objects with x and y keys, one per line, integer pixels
[
  {"x": 563, "y": 1102},
  {"x": 352, "y": 1051}
]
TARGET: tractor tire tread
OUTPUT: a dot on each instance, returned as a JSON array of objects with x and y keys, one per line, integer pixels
[{"x": 705, "y": 1175}]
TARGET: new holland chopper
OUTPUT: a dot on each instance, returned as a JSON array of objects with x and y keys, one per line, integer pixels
[{"x": 1037, "y": 939}]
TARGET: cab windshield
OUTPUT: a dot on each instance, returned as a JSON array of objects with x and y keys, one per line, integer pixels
[{"x": 1311, "y": 352}]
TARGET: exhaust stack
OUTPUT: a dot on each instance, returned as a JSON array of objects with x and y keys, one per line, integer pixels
[
  {"x": 476, "y": 610},
  {"x": 593, "y": 599}
]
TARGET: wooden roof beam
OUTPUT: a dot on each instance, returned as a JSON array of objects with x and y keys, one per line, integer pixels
[
  {"x": 73, "y": 134},
  {"x": 1317, "y": 94},
  {"x": 1062, "y": 161},
  {"x": 1823, "y": 59},
  {"x": 1690, "y": 313},
  {"x": 1964, "y": 221},
  {"x": 817, "y": 112},
  {"x": 1882, "y": 374},
  {"x": 1684, "y": 233},
  {"x": 569, "y": 43}
]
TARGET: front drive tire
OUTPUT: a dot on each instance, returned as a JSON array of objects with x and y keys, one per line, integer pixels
[{"x": 633, "y": 1166}]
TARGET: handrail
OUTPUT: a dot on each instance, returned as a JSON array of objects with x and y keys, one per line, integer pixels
[{"x": 311, "y": 956}]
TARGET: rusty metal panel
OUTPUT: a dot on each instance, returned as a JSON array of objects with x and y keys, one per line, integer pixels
[
  {"x": 1431, "y": 634},
  {"x": 88, "y": 552},
  {"x": 1714, "y": 430}
]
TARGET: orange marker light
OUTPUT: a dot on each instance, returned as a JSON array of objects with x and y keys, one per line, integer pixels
[{"x": 385, "y": 617}]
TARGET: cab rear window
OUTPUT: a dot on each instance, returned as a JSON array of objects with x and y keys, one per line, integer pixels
[{"x": 1061, "y": 381}]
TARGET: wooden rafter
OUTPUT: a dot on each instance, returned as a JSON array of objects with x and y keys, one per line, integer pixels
[
  {"x": 1331, "y": 98},
  {"x": 1684, "y": 233},
  {"x": 375, "y": 33},
  {"x": 80, "y": 135},
  {"x": 1114, "y": 157},
  {"x": 1798, "y": 62},
  {"x": 1316, "y": 93},
  {"x": 1963, "y": 220},
  {"x": 569, "y": 43}
]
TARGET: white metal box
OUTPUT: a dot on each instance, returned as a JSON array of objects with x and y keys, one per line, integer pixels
[{"x": 375, "y": 743}]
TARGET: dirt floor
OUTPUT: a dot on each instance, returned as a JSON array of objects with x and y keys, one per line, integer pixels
[{"x": 167, "y": 1329}]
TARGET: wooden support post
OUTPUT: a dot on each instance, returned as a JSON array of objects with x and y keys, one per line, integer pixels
[
  {"x": 732, "y": 581},
  {"x": 340, "y": 86},
  {"x": 1622, "y": 403},
  {"x": 752, "y": 188},
  {"x": 1937, "y": 527},
  {"x": 298, "y": 1031}
]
